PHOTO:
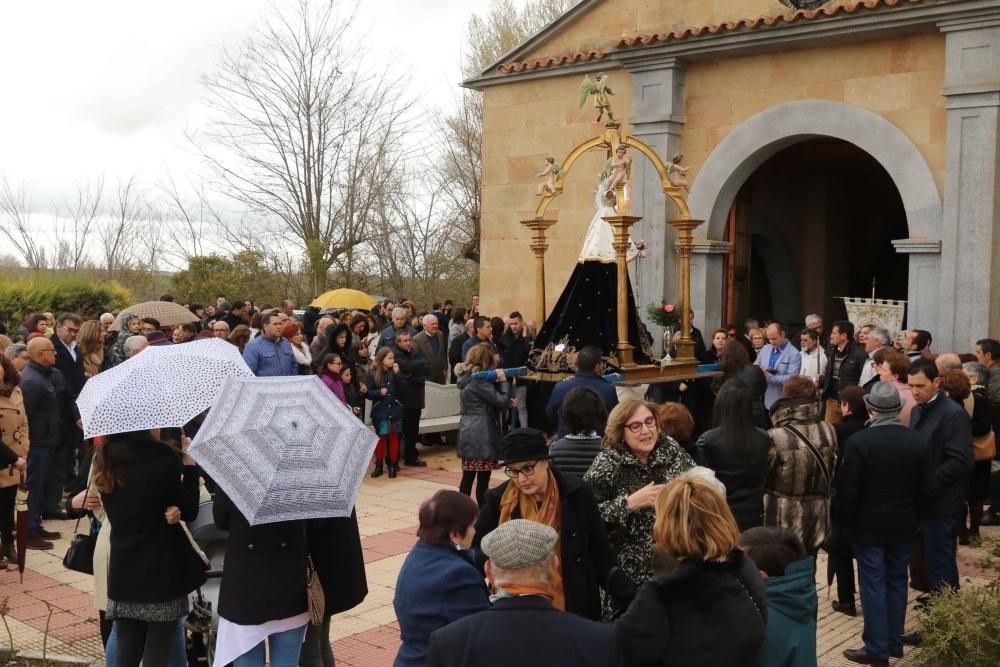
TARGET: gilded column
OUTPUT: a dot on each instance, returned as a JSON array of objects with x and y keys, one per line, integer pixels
[{"x": 538, "y": 246}]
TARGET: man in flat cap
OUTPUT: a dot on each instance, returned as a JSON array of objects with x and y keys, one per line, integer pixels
[
  {"x": 539, "y": 492},
  {"x": 522, "y": 627},
  {"x": 884, "y": 476}
]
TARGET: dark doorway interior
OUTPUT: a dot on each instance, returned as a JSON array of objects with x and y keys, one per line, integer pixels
[{"x": 814, "y": 222}]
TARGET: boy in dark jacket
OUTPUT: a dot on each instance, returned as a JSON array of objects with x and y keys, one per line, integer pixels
[{"x": 790, "y": 581}]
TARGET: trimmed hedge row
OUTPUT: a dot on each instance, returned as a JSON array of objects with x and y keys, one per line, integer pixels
[{"x": 59, "y": 294}]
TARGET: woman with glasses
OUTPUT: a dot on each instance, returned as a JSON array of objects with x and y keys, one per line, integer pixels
[
  {"x": 538, "y": 492},
  {"x": 637, "y": 460}
]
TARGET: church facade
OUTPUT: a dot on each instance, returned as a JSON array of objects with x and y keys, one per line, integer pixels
[{"x": 834, "y": 148}]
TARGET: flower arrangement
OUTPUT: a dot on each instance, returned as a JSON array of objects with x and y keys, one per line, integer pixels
[
  {"x": 640, "y": 246},
  {"x": 664, "y": 314}
]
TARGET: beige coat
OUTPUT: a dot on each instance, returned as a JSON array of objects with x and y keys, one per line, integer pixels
[{"x": 13, "y": 431}]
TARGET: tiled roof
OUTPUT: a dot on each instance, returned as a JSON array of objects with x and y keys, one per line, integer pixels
[{"x": 756, "y": 23}]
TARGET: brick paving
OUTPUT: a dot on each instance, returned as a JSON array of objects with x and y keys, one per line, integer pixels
[{"x": 366, "y": 636}]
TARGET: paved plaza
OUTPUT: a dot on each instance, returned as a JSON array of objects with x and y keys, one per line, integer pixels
[{"x": 367, "y": 635}]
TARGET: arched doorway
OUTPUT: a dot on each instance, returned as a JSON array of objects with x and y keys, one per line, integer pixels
[{"x": 813, "y": 222}]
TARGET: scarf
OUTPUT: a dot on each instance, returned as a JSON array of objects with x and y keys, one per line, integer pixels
[
  {"x": 547, "y": 513},
  {"x": 884, "y": 419}
]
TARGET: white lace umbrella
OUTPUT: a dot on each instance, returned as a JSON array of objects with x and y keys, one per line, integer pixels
[
  {"x": 162, "y": 386},
  {"x": 284, "y": 448}
]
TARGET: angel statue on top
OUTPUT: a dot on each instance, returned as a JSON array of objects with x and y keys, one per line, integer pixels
[
  {"x": 617, "y": 170},
  {"x": 549, "y": 173},
  {"x": 586, "y": 313},
  {"x": 600, "y": 90}
]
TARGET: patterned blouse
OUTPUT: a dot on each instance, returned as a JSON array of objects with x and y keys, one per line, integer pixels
[{"x": 614, "y": 476}]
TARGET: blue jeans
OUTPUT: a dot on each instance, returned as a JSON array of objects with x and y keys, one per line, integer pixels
[
  {"x": 882, "y": 574},
  {"x": 285, "y": 647},
  {"x": 939, "y": 553},
  {"x": 178, "y": 652},
  {"x": 39, "y": 462}
]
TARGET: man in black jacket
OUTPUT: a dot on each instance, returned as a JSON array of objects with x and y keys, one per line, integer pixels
[
  {"x": 949, "y": 428},
  {"x": 46, "y": 400},
  {"x": 414, "y": 371},
  {"x": 846, "y": 361},
  {"x": 881, "y": 482},
  {"x": 522, "y": 627},
  {"x": 69, "y": 362},
  {"x": 514, "y": 347}
]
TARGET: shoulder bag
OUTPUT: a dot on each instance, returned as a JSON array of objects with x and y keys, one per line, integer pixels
[{"x": 80, "y": 555}]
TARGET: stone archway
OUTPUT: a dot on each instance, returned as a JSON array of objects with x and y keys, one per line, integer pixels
[{"x": 748, "y": 145}]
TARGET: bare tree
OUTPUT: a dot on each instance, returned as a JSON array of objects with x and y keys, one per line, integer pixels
[
  {"x": 73, "y": 231},
  {"x": 489, "y": 36},
  {"x": 16, "y": 225},
  {"x": 122, "y": 231},
  {"x": 305, "y": 130},
  {"x": 193, "y": 220}
]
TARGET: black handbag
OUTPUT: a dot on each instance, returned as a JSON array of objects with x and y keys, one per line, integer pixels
[{"x": 80, "y": 555}]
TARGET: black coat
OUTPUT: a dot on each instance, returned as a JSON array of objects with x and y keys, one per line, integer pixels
[
  {"x": 854, "y": 360},
  {"x": 524, "y": 631},
  {"x": 335, "y": 547},
  {"x": 880, "y": 483},
  {"x": 47, "y": 404},
  {"x": 413, "y": 373},
  {"x": 700, "y": 614},
  {"x": 513, "y": 350},
  {"x": 72, "y": 369},
  {"x": 754, "y": 380},
  {"x": 264, "y": 578},
  {"x": 744, "y": 478},
  {"x": 151, "y": 561},
  {"x": 950, "y": 431},
  {"x": 572, "y": 455},
  {"x": 388, "y": 406},
  {"x": 850, "y": 425},
  {"x": 585, "y": 553},
  {"x": 455, "y": 349}
]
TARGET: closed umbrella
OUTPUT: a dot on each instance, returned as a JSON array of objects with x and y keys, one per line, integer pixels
[
  {"x": 344, "y": 298},
  {"x": 284, "y": 448},
  {"x": 21, "y": 524},
  {"x": 167, "y": 313},
  {"x": 161, "y": 387}
]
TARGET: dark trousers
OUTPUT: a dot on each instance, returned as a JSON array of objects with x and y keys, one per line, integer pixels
[
  {"x": 842, "y": 562},
  {"x": 60, "y": 471},
  {"x": 939, "y": 552},
  {"x": 139, "y": 641},
  {"x": 882, "y": 573},
  {"x": 411, "y": 433},
  {"x": 39, "y": 461},
  {"x": 7, "y": 497},
  {"x": 316, "y": 649}
]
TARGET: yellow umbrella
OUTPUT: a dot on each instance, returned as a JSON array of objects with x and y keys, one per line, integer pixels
[{"x": 344, "y": 298}]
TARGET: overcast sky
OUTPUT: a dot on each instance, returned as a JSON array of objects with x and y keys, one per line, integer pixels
[{"x": 109, "y": 87}]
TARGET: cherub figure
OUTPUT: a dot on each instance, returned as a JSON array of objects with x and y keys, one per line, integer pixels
[
  {"x": 600, "y": 90},
  {"x": 617, "y": 170},
  {"x": 549, "y": 173},
  {"x": 678, "y": 174}
]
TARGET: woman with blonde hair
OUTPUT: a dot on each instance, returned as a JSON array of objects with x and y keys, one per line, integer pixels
[
  {"x": 626, "y": 476},
  {"x": 712, "y": 608},
  {"x": 90, "y": 343}
]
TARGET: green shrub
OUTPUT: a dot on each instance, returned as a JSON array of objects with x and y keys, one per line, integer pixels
[
  {"x": 59, "y": 294},
  {"x": 963, "y": 627}
]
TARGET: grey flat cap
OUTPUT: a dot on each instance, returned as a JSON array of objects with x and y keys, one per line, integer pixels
[
  {"x": 884, "y": 397},
  {"x": 519, "y": 543}
]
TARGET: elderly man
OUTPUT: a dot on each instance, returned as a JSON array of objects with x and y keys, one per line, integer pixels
[
  {"x": 815, "y": 322},
  {"x": 875, "y": 340},
  {"x": 107, "y": 319},
  {"x": 388, "y": 337},
  {"x": 318, "y": 344},
  {"x": 135, "y": 344},
  {"x": 813, "y": 356},
  {"x": 221, "y": 329},
  {"x": 270, "y": 355},
  {"x": 779, "y": 360},
  {"x": 523, "y": 627},
  {"x": 18, "y": 355},
  {"x": 431, "y": 346},
  {"x": 47, "y": 401},
  {"x": 948, "y": 361},
  {"x": 881, "y": 483}
]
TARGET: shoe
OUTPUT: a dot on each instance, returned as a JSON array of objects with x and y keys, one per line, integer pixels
[
  {"x": 36, "y": 542},
  {"x": 48, "y": 534},
  {"x": 415, "y": 464},
  {"x": 393, "y": 470},
  {"x": 9, "y": 553},
  {"x": 378, "y": 469},
  {"x": 859, "y": 656},
  {"x": 54, "y": 516},
  {"x": 912, "y": 639},
  {"x": 847, "y": 608}
]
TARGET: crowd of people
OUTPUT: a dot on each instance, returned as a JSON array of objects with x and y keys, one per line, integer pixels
[{"x": 654, "y": 519}]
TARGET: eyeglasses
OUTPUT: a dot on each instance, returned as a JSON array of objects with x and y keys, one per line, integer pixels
[
  {"x": 335, "y": 363},
  {"x": 527, "y": 470},
  {"x": 221, "y": 330},
  {"x": 648, "y": 422},
  {"x": 70, "y": 329}
]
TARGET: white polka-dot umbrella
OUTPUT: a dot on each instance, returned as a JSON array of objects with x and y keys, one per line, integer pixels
[
  {"x": 162, "y": 386},
  {"x": 284, "y": 448}
]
